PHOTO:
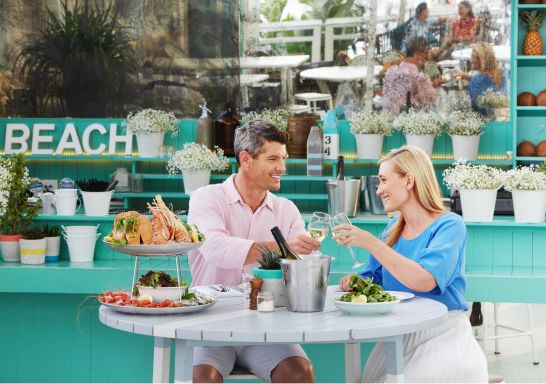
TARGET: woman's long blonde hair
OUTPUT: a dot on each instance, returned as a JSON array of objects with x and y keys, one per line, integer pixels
[
  {"x": 488, "y": 62},
  {"x": 415, "y": 161}
]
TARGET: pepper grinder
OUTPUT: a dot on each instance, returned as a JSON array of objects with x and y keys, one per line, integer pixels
[{"x": 255, "y": 288}]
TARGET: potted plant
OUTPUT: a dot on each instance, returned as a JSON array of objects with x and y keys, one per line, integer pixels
[
  {"x": 53, "y": 242},
  {"x": 420, "y": 127},
  {"x": 465, "y": 129},
  {"x": 528, "y": 187},
  {"x": 297, "y": 126},
  {"x": 478, "y": 185},
  {"x": 32, "y": 246},
  {"x": 498, "y": 102},
  {"x": 195, "y": 161},
  {"x": 270, "y": 271},
  {"x": 15, "y": 213},
  {"x": 369, "y": 129},
  {"x": 81, "y": 62},
  {"x": 149, "y": 126}
]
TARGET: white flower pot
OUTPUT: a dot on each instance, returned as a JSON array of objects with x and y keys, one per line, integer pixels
[
  {"x": 53, "y": 248},
  {"x": 9, "y": 245},
  {"x": 529, "y": 206},
  {"x": 149, "y": 144},
  {"x": 97, "y": 203},
  {"x": 32, "y": 251},
  {"x": 425, "y": 142},
  {"x": 195, "y": 179},
  {"x": 478, "y": 204},
  {"x": 465, "y": 147},
  {"x": 273, "y": 284},
  {"x": 368, "y": 146}
]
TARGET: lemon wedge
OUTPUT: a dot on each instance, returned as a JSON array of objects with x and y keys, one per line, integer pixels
[
  {"x": 360, "y": 299},
  {"x": 146, "y": 297}
]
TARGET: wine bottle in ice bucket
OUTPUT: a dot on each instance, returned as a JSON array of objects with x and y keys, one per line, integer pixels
[{"x": 285, "y": 249}]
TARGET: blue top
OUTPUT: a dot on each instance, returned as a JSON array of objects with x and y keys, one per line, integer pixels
[
  {"x": 477, "y": 86},
  {"x": 440, "y": 249}
]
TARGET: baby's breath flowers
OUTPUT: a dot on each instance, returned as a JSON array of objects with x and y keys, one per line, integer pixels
[
  {"x": 466, "y": 123},
  {"x": 197, "y": 157},
  {"x": 152, "y": 121},
  {"x": 492, "y": 99},
  {"x": 374, "y": 123},
  {"x": 279, "y": 117},
  {"x": 525, "y": 179},
  {"x": 419, "y": 122},
  {"x": 463, "y": 175}
]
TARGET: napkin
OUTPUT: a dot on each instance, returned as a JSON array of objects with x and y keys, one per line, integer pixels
[{"x": 214, "y": 290}]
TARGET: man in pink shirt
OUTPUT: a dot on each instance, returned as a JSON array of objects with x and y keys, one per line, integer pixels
[{"x": 236, "y": 218}]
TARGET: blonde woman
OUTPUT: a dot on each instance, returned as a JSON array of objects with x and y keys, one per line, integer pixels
[
  {"x": 422, "y": 251},
  {"x": 486, "y": 75}
]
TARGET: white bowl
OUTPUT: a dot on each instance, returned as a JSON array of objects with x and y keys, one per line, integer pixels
[
  {"x": 365, "y": 308},
  {"x": 80, "y": 229},
  {"x": 162, "y": 293}
]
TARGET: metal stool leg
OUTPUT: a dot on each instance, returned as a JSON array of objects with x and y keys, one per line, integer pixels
[
  {"x": 532, "y": 335},
  {"x": 496, "y": 325}
]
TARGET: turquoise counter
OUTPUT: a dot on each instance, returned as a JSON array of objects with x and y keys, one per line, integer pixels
[{"x": 50, "y": 312}]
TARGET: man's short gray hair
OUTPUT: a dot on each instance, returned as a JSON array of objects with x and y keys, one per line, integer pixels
[{"x": 252, "y": 136}]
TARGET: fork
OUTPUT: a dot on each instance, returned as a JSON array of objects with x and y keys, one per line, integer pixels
[{"x": 221, "y": 287}]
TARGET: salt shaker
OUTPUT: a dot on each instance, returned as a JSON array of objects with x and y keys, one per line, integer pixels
[
  {"x": 265, "y": 302},
  {"x": 255, "y": 287}
]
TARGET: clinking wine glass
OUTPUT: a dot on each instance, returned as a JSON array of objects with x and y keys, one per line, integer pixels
[
  {"x": 319, "y": 226},
  {"x": 341, "y": 218}
]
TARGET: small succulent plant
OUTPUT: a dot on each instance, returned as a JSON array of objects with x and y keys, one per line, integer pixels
[{"x": 270, "y": 258}]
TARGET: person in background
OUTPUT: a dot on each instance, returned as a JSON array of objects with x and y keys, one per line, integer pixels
[
  {"x": 419, "y": 26},
  {"x": 486, "y": 75},
  {"x": 405, "y": 77},
  {"x": 421, "y": 251},
  {"x": 464, "y": 30},
  {"x": 236, "y": 218}
]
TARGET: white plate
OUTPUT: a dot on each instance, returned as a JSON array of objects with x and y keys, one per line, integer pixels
[
  {"x": 402, "y": 296},
  {"x": 171, "y": 249},
  {"x": 159, "y": 311},
  {"x": 365, "y": 308}
]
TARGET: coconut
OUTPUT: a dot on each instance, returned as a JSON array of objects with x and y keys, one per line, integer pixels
[
  {"x": 541, "y": 149},
  {"x": 541, "y": 98},
  {"x": 527, "y": 99},
  {"x": 526, "y": 149}
]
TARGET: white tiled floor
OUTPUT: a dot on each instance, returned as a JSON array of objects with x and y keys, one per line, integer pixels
[{"x": 514, "y": 363}]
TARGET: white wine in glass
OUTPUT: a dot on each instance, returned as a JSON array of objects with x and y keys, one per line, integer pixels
[
  {"x": 341, "y": 218},
  {"x": 319, "y": 226}
]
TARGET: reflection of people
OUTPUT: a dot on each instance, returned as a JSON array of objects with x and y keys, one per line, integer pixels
[
  {"x": 422, "y": 251},
  {"x": 465, "y": 28},
  {"x": 405, "y": 77},
  {"x": 487, "y": 75},
  {"x": 420, "y": 24},
  {"x": 236, "y": 217}
]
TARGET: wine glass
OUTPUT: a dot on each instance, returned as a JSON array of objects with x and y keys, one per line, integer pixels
[
  {"x": 319, "y": 226},
  {"x": 341, "y": 218}
]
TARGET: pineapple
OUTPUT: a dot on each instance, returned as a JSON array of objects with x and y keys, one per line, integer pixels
[{"x": 532, "y": 45}]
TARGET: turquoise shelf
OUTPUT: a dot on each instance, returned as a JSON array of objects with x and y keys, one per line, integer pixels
[
  {"x": 532, "y": 6},
  {"x": 521, "y": 158},
  {"x": 180, "y": 195}
]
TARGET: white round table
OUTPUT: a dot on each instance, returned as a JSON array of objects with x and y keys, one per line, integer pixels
[
  {"x": 502, "y": 53},
  {"x": 228, "y": 323}
]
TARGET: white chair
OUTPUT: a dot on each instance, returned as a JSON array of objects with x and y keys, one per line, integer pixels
[
  {"x": 311, "y": 98},
  {"x": 238, "y": 374},
  {"x": 515, "y": 332}
]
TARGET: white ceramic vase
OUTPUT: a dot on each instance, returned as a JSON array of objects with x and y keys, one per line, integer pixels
[
  {"x": 478, "y": 204},
  {"x": 369, "y": 146},
  {"x": 9, "y": 245},
  {"x": 149, "y": 144},
  {"x": 425, "y": 142},
  {"x": 195, "y": 179},
  {"x": 465, "y": 147},
  {"x": 529, "y": 206},
  {"x": 53, "y": 248}
]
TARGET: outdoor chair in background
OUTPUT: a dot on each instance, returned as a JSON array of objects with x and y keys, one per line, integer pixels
[{"x": 238, "y": 374}]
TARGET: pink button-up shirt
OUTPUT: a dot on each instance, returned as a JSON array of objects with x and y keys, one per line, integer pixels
[{"x": 230, "y": 228}]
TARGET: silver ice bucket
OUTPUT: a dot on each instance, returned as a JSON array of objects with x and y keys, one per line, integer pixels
[
  {"x": 343, "y": 196},
  {"x": 306, "y": 282}
]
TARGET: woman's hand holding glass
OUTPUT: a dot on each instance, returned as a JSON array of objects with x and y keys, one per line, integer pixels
[{"x": 342, "y": 228}]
